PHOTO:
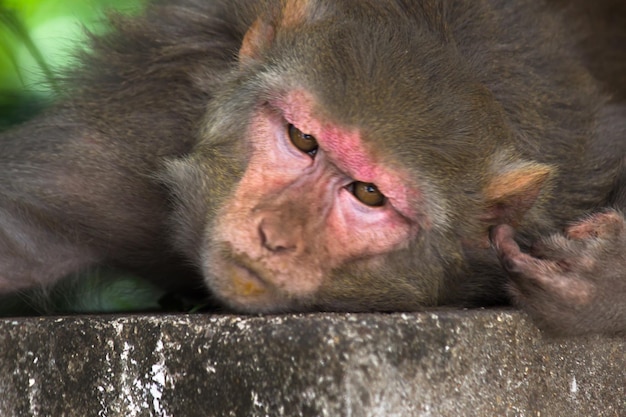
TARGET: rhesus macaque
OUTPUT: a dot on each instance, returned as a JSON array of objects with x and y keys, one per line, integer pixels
[{"x": 338, "y": 155}]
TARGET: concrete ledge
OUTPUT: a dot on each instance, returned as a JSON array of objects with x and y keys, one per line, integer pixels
[{"x": 445, "y": 363}]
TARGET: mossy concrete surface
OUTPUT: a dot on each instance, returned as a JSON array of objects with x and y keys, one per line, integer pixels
[{"x": 441, "y": 363}]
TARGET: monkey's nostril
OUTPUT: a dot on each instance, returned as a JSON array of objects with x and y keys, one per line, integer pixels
[
  {"x": 279, "y": 248},
  {"x": 262, "y": 236}
]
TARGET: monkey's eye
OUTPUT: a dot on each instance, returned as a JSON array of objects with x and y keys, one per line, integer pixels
[
  {"x": 305, "y": 143},
  {"x": 367, "y": 194}
]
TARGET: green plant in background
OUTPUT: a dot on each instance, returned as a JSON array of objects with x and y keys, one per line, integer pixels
[{"x": 36, "y": 38}]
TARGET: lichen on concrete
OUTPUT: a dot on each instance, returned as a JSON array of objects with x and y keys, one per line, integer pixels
[{"x": 439, "y": 363}]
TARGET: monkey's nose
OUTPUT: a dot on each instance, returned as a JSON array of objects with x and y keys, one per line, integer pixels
[{"x": 277, "y": 238}]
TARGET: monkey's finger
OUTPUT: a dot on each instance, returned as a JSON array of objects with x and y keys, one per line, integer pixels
[
  {"x": 507, "y": 249},
  {"x": 501, "y": 237},
  {"x": 518, "y": 264},
  {"x": 536, "y": 279}
]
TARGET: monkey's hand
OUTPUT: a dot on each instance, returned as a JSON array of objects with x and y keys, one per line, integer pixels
[{"x": 573, "y": 283}]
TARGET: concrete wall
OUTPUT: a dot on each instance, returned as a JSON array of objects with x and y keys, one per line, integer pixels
[{"x": 446, "y": 363}]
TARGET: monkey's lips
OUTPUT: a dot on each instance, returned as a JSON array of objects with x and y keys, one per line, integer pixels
[
  {"x": 245, "y": 281},
  {"x": 242, "y": 285},
  {"x": 244, "y": 288}
]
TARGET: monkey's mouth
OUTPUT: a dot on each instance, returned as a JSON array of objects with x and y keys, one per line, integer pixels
[
  {"x": 245, "y": 281},
  {"x": 246, "y": 287}
]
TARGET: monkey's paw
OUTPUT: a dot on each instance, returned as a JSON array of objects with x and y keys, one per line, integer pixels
[{"x": 573, "y": 283}]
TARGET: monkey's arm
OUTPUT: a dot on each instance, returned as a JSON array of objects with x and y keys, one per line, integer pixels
[
  {"x": 572, "y": 283},
  {"x": 70, "y": 198}
]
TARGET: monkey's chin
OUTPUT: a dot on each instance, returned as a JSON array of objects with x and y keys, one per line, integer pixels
[{"x": 245, "y": 290}]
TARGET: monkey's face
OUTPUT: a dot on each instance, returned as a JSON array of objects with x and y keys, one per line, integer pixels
[
  {"x": 344, "y": 148},
  {"x": 312, "y": 199}
]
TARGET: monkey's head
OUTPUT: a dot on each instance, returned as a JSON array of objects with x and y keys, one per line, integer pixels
[{"x": 319, "y": 180}]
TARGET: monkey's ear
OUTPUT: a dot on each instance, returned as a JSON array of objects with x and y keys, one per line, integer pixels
[
  {"x": 295, "y": 13},
  {"x": 260, "y": 35},
  {"x": 258, "y": 38},
  {"x": 512, "y": 192}
]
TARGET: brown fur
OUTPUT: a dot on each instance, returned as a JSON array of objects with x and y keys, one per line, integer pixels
[{"x": 500, "y": 112}]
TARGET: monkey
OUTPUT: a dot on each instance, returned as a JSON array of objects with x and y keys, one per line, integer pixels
[{"x": 331, "y": 155}]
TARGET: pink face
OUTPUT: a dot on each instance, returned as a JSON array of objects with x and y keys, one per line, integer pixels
[{"x": 295, "y": 217}]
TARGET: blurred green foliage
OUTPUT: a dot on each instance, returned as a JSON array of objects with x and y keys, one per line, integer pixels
[
  {"x": 100, "y": 290},
  {"x": 36, "y": 38}
]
